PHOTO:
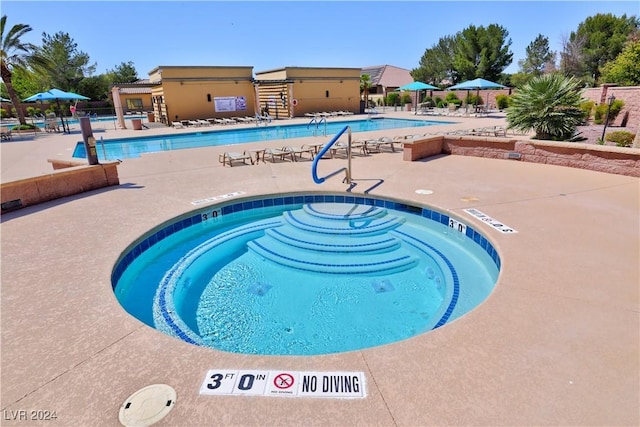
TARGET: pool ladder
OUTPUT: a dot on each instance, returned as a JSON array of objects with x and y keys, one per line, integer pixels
[
  {"x": 318, "y": 120},
  {"x": 327, "y": 147}
]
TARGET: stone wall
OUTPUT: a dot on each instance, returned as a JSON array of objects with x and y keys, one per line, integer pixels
[
  {"x": 630, "y": 95},
  {"x": 602, "y": 158}
]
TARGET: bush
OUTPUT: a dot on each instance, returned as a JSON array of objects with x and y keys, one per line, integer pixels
[
  {"x": 502, "y": 101},
  {"x": 601, "y": 112},
  {"x": 587, "y": 108},
  {"x": 622, "y": 138},
  {"x": 3, "y": 113},
  {"x": 406, "y": 99},
  {"x": 474, "y": 99},
  {"x": 28, "y": 126},
  {"x": 393, "y": 98},
  {"x": 452, "y": 98}
]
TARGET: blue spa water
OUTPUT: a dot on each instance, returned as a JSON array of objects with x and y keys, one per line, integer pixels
[
  {"x": 124, "y": 148},
  {"x": 306, "y": 278}
]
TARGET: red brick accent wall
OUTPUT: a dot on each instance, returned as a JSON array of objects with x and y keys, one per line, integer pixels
[
  {"x": 602, "y": 158},
  {"x": 60, "y": 183},
  {"x": 630, "y": 95}
]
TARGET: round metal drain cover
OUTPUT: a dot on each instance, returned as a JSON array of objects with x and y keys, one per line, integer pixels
[
  {"x": 424, "y": 191},
  {"x": 147, "y": 405}
]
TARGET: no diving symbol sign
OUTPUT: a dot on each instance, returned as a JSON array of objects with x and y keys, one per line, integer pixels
[{"x": 283, "y": 381}]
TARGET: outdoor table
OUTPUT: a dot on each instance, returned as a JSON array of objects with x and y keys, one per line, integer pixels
[{"x": 258, "y": 152}]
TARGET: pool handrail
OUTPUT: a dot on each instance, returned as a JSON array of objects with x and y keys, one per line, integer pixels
[
  {"x": 317, "y": 121},
  {"x": 327, "y": 147},
  {"x": 322, "y": 119}
]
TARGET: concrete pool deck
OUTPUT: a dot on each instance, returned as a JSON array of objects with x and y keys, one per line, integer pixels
[{"x": 556, "y": 343}]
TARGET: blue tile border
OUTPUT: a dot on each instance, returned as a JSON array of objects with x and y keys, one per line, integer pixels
[{"x": 281, "y": 200}]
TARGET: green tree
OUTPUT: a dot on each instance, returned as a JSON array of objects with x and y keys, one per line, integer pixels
[
  {"x": 436, "y": 64},
  {"x": 16, "y": 54},
  {"x": 365, "y": 84},
  {"x": 95, "y": 87},
  {"x": 481, "y": 52},
  {"x": 602, "y": 38},
  {"x": 26, "y": 82},
  {"x": 68, "y": 65},
  {"x": 548, "y": 104},
  {"x": 125, "y": 72},
  {"x": 625, "y": 69},
  {"x": 538, "y": 56}
]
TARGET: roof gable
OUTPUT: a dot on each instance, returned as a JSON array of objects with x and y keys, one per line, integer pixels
[{"x": 388, "y": 75}]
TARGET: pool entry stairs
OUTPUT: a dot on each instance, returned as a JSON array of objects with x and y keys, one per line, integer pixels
[{"x": 337, "y": 239}]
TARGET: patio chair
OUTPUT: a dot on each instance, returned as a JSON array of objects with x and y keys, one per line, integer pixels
[
  {"x": 297, "y": 152},
  {"x": 51, "y": 125},
  {"x": 272, "y": 153},
  {"x": 374, "y": 145},
  {"x": 359, "y": 144},
  {"x": 230, "y": 156},
  {"x": 5, "y": 133},
  {"x": 177, "y": 125}
]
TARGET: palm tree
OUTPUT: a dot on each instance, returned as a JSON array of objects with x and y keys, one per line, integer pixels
[
  {"x": 365, "y": 84},
  {"x": 548, "y": 104},
  {"x": 15, "y": 54}
]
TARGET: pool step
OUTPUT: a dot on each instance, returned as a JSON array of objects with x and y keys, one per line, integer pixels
[
  {"x": 333, "y": 243},
  {"x": 340, "y": 239},
  {"x": 323, "y": 262},
  {"x": 352, "y": 225},
  {"x": 343, "y": 211}
]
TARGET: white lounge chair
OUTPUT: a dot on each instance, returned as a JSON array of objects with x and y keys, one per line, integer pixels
[
  {"x": 230, "y": 156},
  {"x": 272, "y": 153},
  {"x": 177, "y": 125},
  {"x": 299, "y": 151}
]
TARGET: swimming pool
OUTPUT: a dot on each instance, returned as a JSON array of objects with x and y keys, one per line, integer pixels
[
  {"x": 305, "y": 274},
  {"x": 124, "y": 148}
]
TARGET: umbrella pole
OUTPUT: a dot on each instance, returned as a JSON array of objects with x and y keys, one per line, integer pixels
[{"x": 61, "y": 116}]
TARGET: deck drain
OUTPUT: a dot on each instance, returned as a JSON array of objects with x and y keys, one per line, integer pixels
[{"x": 148, "y": 405}]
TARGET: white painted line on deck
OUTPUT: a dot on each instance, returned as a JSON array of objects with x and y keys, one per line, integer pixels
[
  {"x": 492, "y": 222},
  {"x": 216, "y": 198}
]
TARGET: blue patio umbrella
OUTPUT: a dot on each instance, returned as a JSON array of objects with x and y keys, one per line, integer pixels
[
  {"x": 56, "y": 95},
  {"x": 416, "y": 86},
  {"x": 476, "y": 84}
]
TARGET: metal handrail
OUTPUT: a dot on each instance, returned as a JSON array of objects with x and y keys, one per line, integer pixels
[
  {"x": 327, "y": 147},
  {"x": 322, "y": 119},
  {"x": 317, "y": 122}
]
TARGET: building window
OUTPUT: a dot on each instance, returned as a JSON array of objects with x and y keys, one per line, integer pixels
[{"x": 134, "y": 104}]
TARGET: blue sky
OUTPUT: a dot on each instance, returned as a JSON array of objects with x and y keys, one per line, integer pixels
[{"x": 268, "y": 35}]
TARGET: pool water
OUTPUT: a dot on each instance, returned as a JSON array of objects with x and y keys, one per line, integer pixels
[
  {"x": 305, "y": 278},
  {"x": 124, "y": 148}
]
